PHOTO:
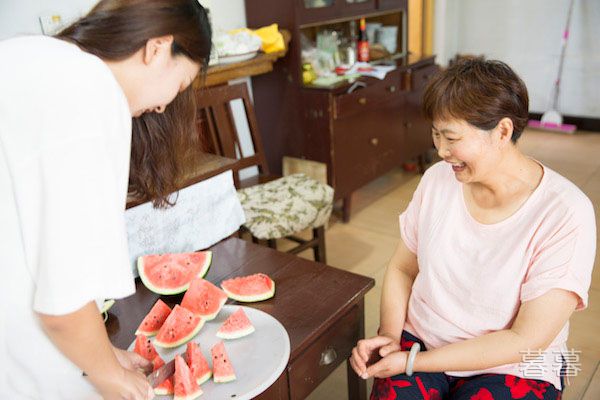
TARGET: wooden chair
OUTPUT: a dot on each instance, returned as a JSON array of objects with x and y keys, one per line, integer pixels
[{"x": 275, "y": 207}]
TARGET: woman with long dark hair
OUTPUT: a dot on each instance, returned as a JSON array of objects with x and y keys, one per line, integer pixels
[{"x": 75, "y": 110}]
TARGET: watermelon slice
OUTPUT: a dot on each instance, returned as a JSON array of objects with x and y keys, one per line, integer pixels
[
  {"x": 172, "y": 273},
  {"x": 222, "y": 368},
  {"x": 186, "y": 387},
  {"x": 204, "y": 299},
  {"x": 197, "y": 363},
  {"x": 236, "y": 326},
  {"x": 179, "y": 327},
  {"x": 144, "y": 347},
  {"x": 166, "y": 387},
  {"x": 154, "y": 320},
  {"x": 249, "y": 288}
]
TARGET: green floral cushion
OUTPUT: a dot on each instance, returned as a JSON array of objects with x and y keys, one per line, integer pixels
[{"x": 286, "y": 206}]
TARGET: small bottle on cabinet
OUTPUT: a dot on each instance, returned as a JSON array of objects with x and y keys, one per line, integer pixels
[{"x": 363, "y": 42}]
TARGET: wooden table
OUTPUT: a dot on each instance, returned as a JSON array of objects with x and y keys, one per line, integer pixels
[{"x": 321, "y": 307}]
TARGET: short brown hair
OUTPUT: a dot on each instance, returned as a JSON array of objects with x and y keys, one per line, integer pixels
[
  {"x": 480, "y": 92},
  {"x": 114, "y": 30}
]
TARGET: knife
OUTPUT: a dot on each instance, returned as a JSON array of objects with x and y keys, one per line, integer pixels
[{"x": 163, "y": 373}]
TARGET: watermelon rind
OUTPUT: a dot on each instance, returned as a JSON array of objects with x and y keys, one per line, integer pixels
[
  {"x": 180, "y": 363},
  {"x": 237, "y": 334},
  {"x": 250, "y": 298},
  {"x": 166, "y": 387},
  {"x": 237, "y": 325},
  {"x": 184, "y": 339},
  {"x": 144, "y": 347},
  {"x": 199, "y": 287},
  {"x": 224, "y": 379},
  {"x": 218, "y": 351},
  {"x": 193, "y": 348},
  {"x": 162, "y": 391},
  {"x": 155, "y": 308},
  {"x": 171, "y": 291},
  {"x": 204, "y": 378}
]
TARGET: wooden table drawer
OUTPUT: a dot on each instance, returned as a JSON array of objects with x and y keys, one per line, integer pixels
[
  {"x": 366, "y": 98},
  {"x": 332, "y": 348}
]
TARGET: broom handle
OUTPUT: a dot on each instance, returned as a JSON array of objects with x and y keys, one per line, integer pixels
[{"x": 562, "y": 57}]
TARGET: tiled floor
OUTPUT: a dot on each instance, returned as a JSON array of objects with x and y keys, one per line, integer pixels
[{"x": 366, "y": 243}]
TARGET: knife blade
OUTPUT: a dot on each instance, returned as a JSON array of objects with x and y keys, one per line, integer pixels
[{"x": 157, "y": 377}]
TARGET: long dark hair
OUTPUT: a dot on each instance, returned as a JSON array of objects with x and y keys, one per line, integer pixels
[{"x": 116, "y": 29}]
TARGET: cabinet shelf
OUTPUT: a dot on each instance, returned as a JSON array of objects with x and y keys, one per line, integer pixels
[{"x": 360, "y": 135}]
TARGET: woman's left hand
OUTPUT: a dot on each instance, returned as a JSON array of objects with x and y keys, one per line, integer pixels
[
  {"x": 132, "y": 361},
  {"x": 390, "y": 365}
]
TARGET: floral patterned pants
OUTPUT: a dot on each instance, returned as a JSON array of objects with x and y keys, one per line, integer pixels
[{"x": 438, "y": 386}]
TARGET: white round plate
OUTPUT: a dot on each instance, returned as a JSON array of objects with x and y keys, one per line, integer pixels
[
  {"x": 237, "y": 57},
  {"x": 258, "y": 359}
]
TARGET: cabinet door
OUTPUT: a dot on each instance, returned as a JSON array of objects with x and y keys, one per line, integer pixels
[
  {"x": 367, "y": 144},
  {"x": 311, "y": 11},
  {"x": 417, "y": 128},
  {"x": 392, "y": 4},
  {"x": 356, "y": 7}
]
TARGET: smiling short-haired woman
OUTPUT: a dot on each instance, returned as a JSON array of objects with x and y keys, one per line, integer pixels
[{"x": 496, "y": 254}]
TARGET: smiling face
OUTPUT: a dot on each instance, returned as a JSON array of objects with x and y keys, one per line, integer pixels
[{"x": 473, "y": 153}]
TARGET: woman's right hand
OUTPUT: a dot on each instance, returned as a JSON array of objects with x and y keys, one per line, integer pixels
[
  {"x": 369, "y": 351},
  {"x": 125, "y": 384}
]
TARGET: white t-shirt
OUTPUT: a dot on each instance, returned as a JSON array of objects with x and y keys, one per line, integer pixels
[{"x": 65, "y": 137}]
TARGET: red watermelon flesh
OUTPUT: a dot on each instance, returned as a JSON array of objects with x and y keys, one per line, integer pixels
[
  {"x": 172, "y": 273},
  {"x": 222, "y": 368},
  {"x": 197, "y": 363},
  {"x": 186, "y": 387},
  {"x": 166, "y": 387},
  {"x": 179, "y": 328},
  {"x": 249, "y": 288},
  {"x": 144, "y": 347},
  {"x": 154, "y": 320},
  {"x": 236, "y": 326},
  {"x": 204, "y": 299}
]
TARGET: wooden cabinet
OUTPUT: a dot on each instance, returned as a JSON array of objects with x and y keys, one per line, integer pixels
[{"x": 360, "y": 130}]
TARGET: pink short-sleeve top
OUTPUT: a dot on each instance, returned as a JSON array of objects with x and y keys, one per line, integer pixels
[{"x": 473, "y": 277}]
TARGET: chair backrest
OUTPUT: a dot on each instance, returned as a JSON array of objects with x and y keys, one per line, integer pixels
[{"x": 216, "y": 125}]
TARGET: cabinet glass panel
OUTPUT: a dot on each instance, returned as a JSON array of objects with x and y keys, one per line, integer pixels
[{"x": 318, "y": 3}]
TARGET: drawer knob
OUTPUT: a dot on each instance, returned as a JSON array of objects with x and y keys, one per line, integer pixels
[
  {"x": 392, "y": 89},
  {"x": 362, "y": 100},
  {"x": 374, "y": 141},
  {"x": 328, "y": 356}
]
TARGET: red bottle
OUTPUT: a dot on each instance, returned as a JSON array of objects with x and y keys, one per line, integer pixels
[{"x": 363, "y": 42}]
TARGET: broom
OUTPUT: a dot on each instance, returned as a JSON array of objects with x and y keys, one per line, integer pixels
[{"x": 552, "y": 119}]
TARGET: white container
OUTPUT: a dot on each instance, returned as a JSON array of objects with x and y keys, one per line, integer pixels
[
  {"x": 388, "y": 37},
  {"x": 371, "y": 29}
]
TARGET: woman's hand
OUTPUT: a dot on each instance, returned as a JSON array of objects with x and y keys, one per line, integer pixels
[
  {"x": 390, "y": 365},
  {"x": 133, "y": 361},
  {"x": 368, "y": 351},
  {"x": 124, "y": 384}
]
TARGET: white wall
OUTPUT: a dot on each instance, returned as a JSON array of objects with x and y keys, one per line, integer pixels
[
  {"x": 527, "y": 34},
  {"x": 21, "y": 16}
]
